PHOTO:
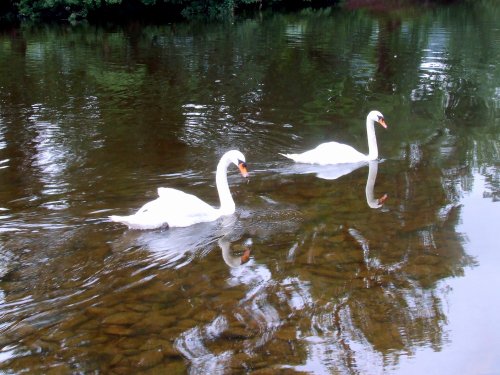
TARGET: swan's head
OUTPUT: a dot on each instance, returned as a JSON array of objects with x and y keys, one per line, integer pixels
[
  {"x": 377, "y": 203},
  {"x": 377, "y": 117},
  {"x": 238, "y": 159}
]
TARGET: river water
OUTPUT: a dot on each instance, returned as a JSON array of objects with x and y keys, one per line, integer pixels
[{"x": 93, "y": 119}]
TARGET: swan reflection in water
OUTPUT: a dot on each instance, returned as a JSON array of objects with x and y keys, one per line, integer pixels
[
  {"x": 251, "y": 321},
  {"x": 176, "y": 248},
  {"x": 253, "y": 316},
  {"x": 231, "y": 260},
  {"x": 370, "y": 184},
  {"x": 334, "y": 171}
]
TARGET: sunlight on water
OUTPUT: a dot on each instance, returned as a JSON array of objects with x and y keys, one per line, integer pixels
[{"x": 472, "y": 342}]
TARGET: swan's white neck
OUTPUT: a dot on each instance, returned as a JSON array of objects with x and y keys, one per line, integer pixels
[
  {"x": 372, "y": 139},
  {"x": 227, "y": 206}
]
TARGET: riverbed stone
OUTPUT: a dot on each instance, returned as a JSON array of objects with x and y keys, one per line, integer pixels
[
  {"x": 123, "y": 318},
  {"x": 118, "y": 330},
  {"x": 121, "y": 370},
  {"x": 165, "y": 346},
  {"x": 117, "y": 358},
  {"x": 154, "y": 322},
  {"x": 168, "y": 368},
  {"x": 128, "y": 343},
  {"x": 72, "y": 322},
  {"x": 235, "y": 332},
  {"x": 286, "y": 333},
  {"x": 147, "y": 359},
  {"x": 139, "y": 307},
  {"x": 205, "y": 315},
  {"x": 98, "y": 311},
  {"x": 24, "y": 330},
  {"x": 180, "y": 310},
  {"x": 238, "y": 360},
  {"x": 186, "y": 324}
]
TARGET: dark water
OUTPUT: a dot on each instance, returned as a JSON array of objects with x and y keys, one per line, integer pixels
[{"x": 94, "y": 119}]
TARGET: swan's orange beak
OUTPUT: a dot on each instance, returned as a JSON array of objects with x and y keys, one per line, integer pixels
[
  {"x": 243, "y": 168},
  {"x": 382, "y": 122}
]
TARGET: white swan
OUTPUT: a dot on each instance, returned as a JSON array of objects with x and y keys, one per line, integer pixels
[
  {"x": 174, "y": 208},
  {"x": 336, "y": 153}
]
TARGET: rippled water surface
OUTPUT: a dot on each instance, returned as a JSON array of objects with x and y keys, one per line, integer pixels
[{"x": 389, "y": 267}]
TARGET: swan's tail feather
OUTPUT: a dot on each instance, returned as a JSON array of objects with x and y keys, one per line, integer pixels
[
  {"x": 118, "y": 219},
  {"x": 122, "y": 219},
  {"x": 289, "y": 156}
]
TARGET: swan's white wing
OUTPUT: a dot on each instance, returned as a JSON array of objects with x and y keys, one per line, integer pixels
[
  {"x": 338, "y": 153},
  {"x": 329, "y": 153},
  {"x": 187, "y": 202},
  {"x": 172, "y": 208},
  {"x": 178, "y": 209}
]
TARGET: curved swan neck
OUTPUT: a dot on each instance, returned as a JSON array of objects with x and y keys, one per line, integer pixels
[
  {"x": 227, "y": 206},
  {"x": 372, "y": 139}
]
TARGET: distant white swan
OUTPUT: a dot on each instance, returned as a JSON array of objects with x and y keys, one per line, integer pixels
[
  {"x": 336, "y": 153},
  {"x": 174, "y": 208}
]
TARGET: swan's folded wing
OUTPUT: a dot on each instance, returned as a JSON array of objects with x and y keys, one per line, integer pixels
[
  {"x": 169, "y": 193},
  {"x": 185, "y": 201},
  {"x": 181, "y": 208},
  {"x": 337, "y": 153}
]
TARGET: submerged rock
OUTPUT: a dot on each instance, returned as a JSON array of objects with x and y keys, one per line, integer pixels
[
  {"x": 123, "y": 318},
  {"x": 147, "y": 359},
  {"x": 118, "y": 330}
]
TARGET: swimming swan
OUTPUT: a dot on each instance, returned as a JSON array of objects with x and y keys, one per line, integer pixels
[
  {"x": 174, "y": 208},
  {"x": 336, "y": 153}
]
